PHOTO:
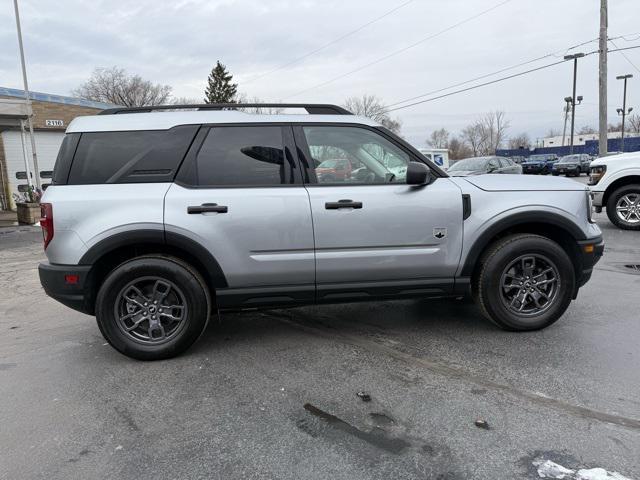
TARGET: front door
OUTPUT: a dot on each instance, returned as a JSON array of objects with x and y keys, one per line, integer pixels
[
  {"x": 239, "y": 194},
  {"x": 374, "y": 234}
]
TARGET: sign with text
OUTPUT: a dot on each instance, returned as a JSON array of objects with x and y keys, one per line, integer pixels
[{"x": 54, "y": 123}]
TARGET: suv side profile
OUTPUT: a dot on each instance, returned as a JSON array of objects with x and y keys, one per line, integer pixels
[{"x": 157, "y": 218}]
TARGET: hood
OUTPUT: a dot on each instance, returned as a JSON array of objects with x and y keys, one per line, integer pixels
[
  {"x": 497, "y": 183},
  {"x": 464, "y": 173},
  {"x": 629, "y": 158}
]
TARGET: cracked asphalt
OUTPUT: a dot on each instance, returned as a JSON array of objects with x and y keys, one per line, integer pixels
[{"x": 273, "y": 394}]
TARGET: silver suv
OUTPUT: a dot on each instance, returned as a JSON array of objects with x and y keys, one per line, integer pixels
[{"x": 157, "y": 217}]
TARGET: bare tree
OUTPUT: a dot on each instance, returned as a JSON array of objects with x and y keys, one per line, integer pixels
[
  {"x": 458, "y": 149},
  {"x": 615, "y": 127},
  {"x": 372, "y": 107},
  {"x": 472, "y": 137},
  {"x": 114, "y": 85},
  {"x": 438, "y": 139},
  {"x": 587, "y": 129},
  {"x": 634, "y": 123},
  {"x": 519, "y": 141},
  {"x": 487, "y": 133},
  {"x": 553, "y": 132}
]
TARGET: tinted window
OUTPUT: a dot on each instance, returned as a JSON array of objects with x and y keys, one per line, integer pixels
[
  {"x": 130, "y": 157},
  {"x": 46, "y": 173},
  {"x": 358, "y": 155},
  {"x": 21, "y": 175},
  {"x": 252, "y": 155},
  {"x": 64, "y": 159}
]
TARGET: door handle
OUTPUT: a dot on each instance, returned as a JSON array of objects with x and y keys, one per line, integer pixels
[
  {"x": 207, "y": 207},
  {"x": 342, "y": 204}
]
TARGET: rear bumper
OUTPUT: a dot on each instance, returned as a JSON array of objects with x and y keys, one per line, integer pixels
[
  {"x": 533, "y": 168},
  {"x": 52, "y": 279},
  {"x": 591, "y": 252}
]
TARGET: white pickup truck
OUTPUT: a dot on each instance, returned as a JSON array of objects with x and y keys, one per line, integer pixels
[{"x": 615, "y": 185}]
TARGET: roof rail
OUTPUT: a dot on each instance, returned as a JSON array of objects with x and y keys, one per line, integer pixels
[{"x": 315, "y": 109}]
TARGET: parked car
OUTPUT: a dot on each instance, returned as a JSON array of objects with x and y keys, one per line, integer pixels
[
  {"x": 540, "y": 163},
  {"x": 155, "y": 221},
  {"x": 518, "y": 159},
  {"x": 482, "y": 165},
  {"x": 334, "y": 170},
  {"x": 615, "y": 186},
  {"x": 572, "y": 165}
]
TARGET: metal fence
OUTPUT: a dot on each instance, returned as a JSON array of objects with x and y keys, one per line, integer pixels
[{"x": 631, "y": 144}]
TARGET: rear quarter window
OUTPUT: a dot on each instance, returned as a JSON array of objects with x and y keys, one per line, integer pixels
[{"x": 130, "y": 157}]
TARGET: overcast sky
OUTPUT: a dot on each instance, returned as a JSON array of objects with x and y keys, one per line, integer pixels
[{"x": 177, "y": 43}]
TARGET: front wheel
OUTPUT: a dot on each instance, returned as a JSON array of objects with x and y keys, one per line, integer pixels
[
  {"x": 623, "y": 207},
  {"x": 525, "y": 282},
  {"x": 152, "y": 307}
]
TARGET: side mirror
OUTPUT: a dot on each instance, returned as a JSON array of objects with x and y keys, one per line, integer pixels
[{"x": 418, "y": 174}]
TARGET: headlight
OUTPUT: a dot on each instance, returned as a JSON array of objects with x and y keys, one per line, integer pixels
[{"x": 596, "y": 173}]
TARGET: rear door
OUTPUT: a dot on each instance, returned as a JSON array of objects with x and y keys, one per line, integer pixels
[
  {"x": 239, "y": 194},
  {"x": 374, "y": 234}
]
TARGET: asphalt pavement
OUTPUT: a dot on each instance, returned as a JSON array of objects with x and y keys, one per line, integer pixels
[{"x": 274, "y": 394}]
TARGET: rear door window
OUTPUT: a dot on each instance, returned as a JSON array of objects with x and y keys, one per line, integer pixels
[
  {"x": 241, "y": 156},
  {"x": 130, "y": 157}
]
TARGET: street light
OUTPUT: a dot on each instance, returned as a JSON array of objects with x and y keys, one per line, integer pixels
[
  {"x": 575, "y": 58},
  {"x": 623, "y": 111}
]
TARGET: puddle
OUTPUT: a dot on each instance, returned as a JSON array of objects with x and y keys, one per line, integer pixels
[{"x": 377, "y": 437}]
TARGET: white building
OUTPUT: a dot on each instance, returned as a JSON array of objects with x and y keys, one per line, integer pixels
[{"x": 580, "y": 139}]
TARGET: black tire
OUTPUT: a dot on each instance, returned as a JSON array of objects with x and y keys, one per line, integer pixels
[
  {"x": 181, "y": 284},
  {"x": 612, "y": 203},
  {"x": 491, "y": 296}
]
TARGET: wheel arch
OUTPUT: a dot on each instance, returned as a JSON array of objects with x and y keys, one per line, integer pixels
[
  {"x": 112, "y": 251},
  {"x": 547, "y": 224},
  {"x": 620, "y": 182}
]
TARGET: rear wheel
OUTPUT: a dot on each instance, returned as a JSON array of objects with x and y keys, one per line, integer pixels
[
  {"x": 525, "y": 282},
  {"x": 623, "y": 207},
  {"x": 151, "y": 308}
]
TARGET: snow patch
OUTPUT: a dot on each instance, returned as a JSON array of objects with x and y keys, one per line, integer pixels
[{"x": 549, "y": 469}]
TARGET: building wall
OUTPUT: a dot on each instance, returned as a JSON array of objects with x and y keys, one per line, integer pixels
[
  {"x": 43, "y": 111},
  {"x": 47, "y": 138}
]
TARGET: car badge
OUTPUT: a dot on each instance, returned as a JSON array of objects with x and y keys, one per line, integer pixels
[{"x": 440, "y": 233}]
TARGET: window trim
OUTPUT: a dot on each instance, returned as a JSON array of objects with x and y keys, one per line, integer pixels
[
  {"x": 304, "y": 153},
  {"x": 196, "y": 146}
]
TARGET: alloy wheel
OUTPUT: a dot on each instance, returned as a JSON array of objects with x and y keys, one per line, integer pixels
[
  {"x": 151, "y": 310},
  {"x": 529, "y": 285}
]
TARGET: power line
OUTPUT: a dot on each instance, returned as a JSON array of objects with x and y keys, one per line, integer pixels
[
  {"x": 501, "y": 79},
  {"x": 492, "y": 73},
  {"x": 401, "y": 50},
  {"x": 625, "y": 56},
  {"x": 332, "y": 42}
]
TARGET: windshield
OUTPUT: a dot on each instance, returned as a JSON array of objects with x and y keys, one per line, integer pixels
[
  {"x": 569, "y": 159},
  {"x": 469, "y": 164},
  {"x": 537, "y": 158}
]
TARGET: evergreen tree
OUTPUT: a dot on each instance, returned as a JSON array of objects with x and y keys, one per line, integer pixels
[{"x": 219, "y": 87}]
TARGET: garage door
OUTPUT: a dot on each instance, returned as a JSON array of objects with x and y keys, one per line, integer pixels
[{"x": 47, "y": 145}]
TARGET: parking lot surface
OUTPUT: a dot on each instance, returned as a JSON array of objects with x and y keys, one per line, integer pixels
[{"x": 274, "y": 394}]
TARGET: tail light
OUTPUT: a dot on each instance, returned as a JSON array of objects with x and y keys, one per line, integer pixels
[{"x": 46, "y": 222}]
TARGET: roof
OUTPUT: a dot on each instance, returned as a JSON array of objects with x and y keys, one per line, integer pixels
[
  {"x": 47, "y": 97},
  {"x": 166, "y": 120}
]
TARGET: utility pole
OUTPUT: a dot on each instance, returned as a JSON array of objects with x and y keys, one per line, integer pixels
[
  {"x": 567, "y": 106},
  {"x": 27, "y": 97},
  {"x": 575, "y": 58},
  {"x": 623, "y": 111},
  {"x": 602, "y": 82}
]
